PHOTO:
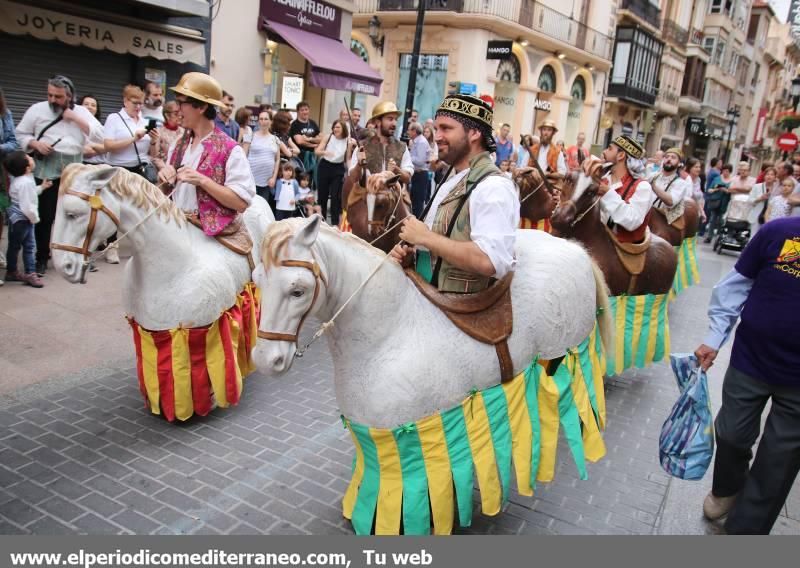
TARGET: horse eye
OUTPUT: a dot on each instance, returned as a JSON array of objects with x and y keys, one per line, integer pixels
[{"x": 298, "y": 293}]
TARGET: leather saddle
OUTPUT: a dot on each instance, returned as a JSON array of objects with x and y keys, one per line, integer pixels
[
  {"x": 485, "y": 316},
  {"x": 234, "y": 237},
  {"x": 632, "y": 255},
  {"x": 678, "y": 223}
]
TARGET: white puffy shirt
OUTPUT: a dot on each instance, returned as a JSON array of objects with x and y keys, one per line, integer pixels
[
  {"x": 237, "y": 176},
  {"x": 493, "y": 216},
  {"x": 628, "y": 215}
]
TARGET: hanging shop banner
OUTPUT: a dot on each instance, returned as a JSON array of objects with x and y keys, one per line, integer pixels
[
  {"x": 758, "y": 137},
  {"x": 498, "y": 49},
  {"x": 308, "y": 15},
  {"x": 18, "y": 19}
]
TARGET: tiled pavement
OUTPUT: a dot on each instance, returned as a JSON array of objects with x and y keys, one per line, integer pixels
[{"x": 83, "y": 456}]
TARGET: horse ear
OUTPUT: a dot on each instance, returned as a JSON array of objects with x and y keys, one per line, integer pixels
[
  {"x": 307, "y": 236},
  {"x": 101, "y": 176}
]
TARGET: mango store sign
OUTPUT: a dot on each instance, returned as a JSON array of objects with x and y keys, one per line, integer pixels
[
  {"x": 540, "y": 104},
  {"x": 73, "y": 30}
]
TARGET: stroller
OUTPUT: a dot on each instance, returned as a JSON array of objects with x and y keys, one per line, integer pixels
[{"x": 733, "y": 235}]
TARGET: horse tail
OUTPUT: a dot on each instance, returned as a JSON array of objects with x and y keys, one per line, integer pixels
[{"x": 604, "y": 320}]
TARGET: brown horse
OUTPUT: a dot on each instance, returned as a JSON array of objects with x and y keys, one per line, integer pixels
[
  {"x": 538, "y": 198},
  {"x": 374, "y": 213},
  {"x": 578, "y": 217},
  {"x": 686, "y": 226}
]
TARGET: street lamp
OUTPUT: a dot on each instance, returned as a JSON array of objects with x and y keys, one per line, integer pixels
[
  {"x": 732, "y": 114},
  {"x": 375, "y": 35}
]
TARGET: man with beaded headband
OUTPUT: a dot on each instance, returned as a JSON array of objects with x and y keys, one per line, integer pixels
[
  {"x": 669, "y": 187},
  {"x": 625, "y": 196},
  {"x": 467, "y": 236}
]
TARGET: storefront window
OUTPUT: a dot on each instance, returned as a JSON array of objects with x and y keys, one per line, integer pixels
[
  {"x": 547, "y": 79},
  {"x": 575, "y": 110},
  {"x": 506, "y": 90},
  {"x": 431, "y": 83}
]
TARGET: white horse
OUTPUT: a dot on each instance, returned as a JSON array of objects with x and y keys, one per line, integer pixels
[
  {"x": 397, "y": 358},
  {"x": 177, "y": 276}
]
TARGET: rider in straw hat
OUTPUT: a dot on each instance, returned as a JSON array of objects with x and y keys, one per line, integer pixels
[
  {"x": 626, "y": 197},
  {"x": 468, "y": 234},
  {"x": 669, "y": 187},
  {"x": 382, "y": 151},
  {"x": 548, "y": 155},
  {"x": 208, "y": 168}
]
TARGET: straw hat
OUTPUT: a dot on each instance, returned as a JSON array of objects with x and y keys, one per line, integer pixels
[{"x": 200, "y": 86}]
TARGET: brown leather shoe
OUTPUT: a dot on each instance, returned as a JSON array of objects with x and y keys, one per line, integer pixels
[
  {"x": 715, "y": 508},
  {"x": 33, "y": 280}
]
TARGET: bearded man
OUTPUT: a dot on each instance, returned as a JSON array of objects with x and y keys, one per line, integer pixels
[
  {"x": 545, "y": 153},
  {"x": 625, "y": 196},
  {"x": 382, "y": 152},
  {"x": 468, "y": 234},
  {"x": 670, "y": 188}
]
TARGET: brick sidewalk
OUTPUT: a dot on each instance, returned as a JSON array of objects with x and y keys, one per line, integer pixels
[{"x": 89, "y": 458}]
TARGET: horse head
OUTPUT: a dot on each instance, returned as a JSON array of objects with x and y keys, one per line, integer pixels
[
  {"x": 87, "y": 214},
  {"x": 385, "y": 204},
  {"x": 290, "y": 280},
  {"x": 538, "y": 197},
  {"x": 579, "y": 197}
]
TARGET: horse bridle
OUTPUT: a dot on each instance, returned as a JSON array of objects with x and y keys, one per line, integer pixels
[
  {"x": 313, "y": 266},
  {"x": 388, "y": 222},
  {"x": 96, "y": 204}
]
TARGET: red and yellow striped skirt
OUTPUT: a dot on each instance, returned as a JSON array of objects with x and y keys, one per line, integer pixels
[{"x": 184, "y": 371}]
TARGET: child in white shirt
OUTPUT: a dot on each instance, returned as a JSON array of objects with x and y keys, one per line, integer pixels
[
  {"x": 505, "y": 167},
  {"x": 287, "y": 193},
  {"x": 23, "y": 214}
]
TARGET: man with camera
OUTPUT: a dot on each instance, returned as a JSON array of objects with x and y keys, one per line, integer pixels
[{"x": 55, "y": 131}]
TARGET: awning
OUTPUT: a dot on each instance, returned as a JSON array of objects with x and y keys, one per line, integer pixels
[{"x": 333, "y": 66}]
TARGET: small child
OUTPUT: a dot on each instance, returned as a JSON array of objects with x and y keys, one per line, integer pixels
[
  {"x": 505, "y": 167},
  {"x": 287, "y": 192},
  {"x": 778, "y": 206},
  {"x": 23, "y": 214},
  {"x": 308, "y": 199}
]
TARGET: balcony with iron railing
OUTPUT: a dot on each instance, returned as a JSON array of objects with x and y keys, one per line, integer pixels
[
  {"x": 644, "y": 10},
  {"x": 674, "y": 33},
  {"x": 696, "y": 36},
  {"x": 528, "y": 13}
]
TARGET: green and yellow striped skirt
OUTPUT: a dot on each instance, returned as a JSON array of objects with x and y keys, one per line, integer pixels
[
  {"x": 687, "y": 273},
  {"x": 415, "y": 478},
  {"x": 641, "y": 334}
]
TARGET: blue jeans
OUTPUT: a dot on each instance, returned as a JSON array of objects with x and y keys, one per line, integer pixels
[{"x": 21, "y": 236}]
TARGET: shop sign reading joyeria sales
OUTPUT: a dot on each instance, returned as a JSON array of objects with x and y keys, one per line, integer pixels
[{"x": 19, "y": 19}]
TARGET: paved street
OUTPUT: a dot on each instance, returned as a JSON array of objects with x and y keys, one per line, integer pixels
[{"x": 80, "y": 454}]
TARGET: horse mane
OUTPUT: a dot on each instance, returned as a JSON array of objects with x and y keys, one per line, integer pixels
[
  {"x": 279, "y": 233},
  {"x": 125, "y": 184}
]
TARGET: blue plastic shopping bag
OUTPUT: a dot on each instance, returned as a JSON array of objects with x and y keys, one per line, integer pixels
[{"x": 686, "y": 444}]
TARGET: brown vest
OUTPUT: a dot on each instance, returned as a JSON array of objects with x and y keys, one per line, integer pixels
[
  {"x": 552, "y": 157},
  {"x": 452, "y": 279},
  {"x": 378, "y": 155}
]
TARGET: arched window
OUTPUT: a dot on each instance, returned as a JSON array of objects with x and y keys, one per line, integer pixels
[
  {"x": 509, "y": 70},
  {"x": 358, "y": 48},
  {"x": 579, "y": 88},
  {"x": 547, "y": 79}
]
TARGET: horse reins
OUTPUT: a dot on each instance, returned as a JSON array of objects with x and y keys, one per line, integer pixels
[
  {"x": 313, "y": 266},
  {"x": 96, "y": 204},
  {"x": 388, "y": 221}
]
